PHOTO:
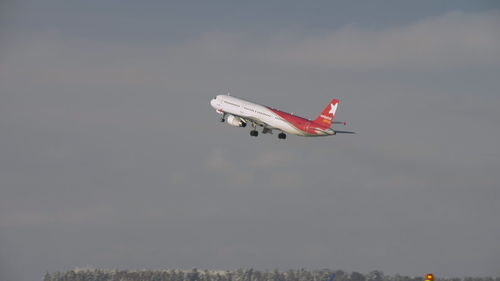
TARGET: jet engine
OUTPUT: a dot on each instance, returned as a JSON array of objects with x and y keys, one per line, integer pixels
[{"x": 235, "y": 121}]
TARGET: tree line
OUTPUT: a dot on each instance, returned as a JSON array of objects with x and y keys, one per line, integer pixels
[{"x": 237, "y": 275}]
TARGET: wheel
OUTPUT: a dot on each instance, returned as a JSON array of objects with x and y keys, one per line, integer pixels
[
  {"x": 254, "y": 133},
  {"x": 222, "y": 120},
  {"x": 282, "y": 136}
]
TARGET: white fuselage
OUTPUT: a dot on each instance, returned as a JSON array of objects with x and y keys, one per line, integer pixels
[{"x": 253, "y": 111}]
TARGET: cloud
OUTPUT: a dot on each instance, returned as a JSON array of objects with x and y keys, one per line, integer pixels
[
  {"x": 95, "y": 214},
  {"x": 123, "y": 136},
  {"x": 453, "y": 39},
  {"x": 217, "y": 162},
  {"x": 272, "y": 158}
]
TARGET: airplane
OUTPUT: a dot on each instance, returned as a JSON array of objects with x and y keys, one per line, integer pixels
[{"x": 239, "y": 112}]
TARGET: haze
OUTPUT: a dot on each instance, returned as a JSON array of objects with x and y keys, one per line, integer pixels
[{"x": 111, "y": 157}]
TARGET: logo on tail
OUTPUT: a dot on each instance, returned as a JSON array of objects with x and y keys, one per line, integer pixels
[
  {"x": 326, "y": 117},
  {"x": 333, "y": 109}
]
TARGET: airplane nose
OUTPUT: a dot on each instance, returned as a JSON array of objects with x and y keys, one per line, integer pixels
[{"x": 212, "y": 103}]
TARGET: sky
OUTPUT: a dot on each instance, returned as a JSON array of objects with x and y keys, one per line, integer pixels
[{"x": 111, "y": 157}]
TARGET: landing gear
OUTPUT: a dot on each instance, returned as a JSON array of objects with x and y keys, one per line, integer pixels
[
  {"x": 281, "y": 136},
  {"x": 222, "y": 119},
  {"x": 254, "y": 132}
]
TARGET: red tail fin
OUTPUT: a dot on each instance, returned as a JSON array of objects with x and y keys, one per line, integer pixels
[{"x": 326, "y": 117}]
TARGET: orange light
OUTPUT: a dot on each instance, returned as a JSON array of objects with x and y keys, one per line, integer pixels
[{"x": 429, "y": 277}]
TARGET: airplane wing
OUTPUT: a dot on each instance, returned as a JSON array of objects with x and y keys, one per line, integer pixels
[{"x": 267, "y": 129}]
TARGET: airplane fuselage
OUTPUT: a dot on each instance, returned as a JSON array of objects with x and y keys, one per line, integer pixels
[{"x": 268, "y": 117}]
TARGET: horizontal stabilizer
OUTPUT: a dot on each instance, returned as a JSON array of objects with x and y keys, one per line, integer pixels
[{"x": 344, "y": 132}]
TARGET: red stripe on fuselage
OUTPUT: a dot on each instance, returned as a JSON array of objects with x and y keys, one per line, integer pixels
[{"x": 300, "y": 123}]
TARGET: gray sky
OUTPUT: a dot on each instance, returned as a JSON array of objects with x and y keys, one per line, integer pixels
[{"x": 110, "y": 155}]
